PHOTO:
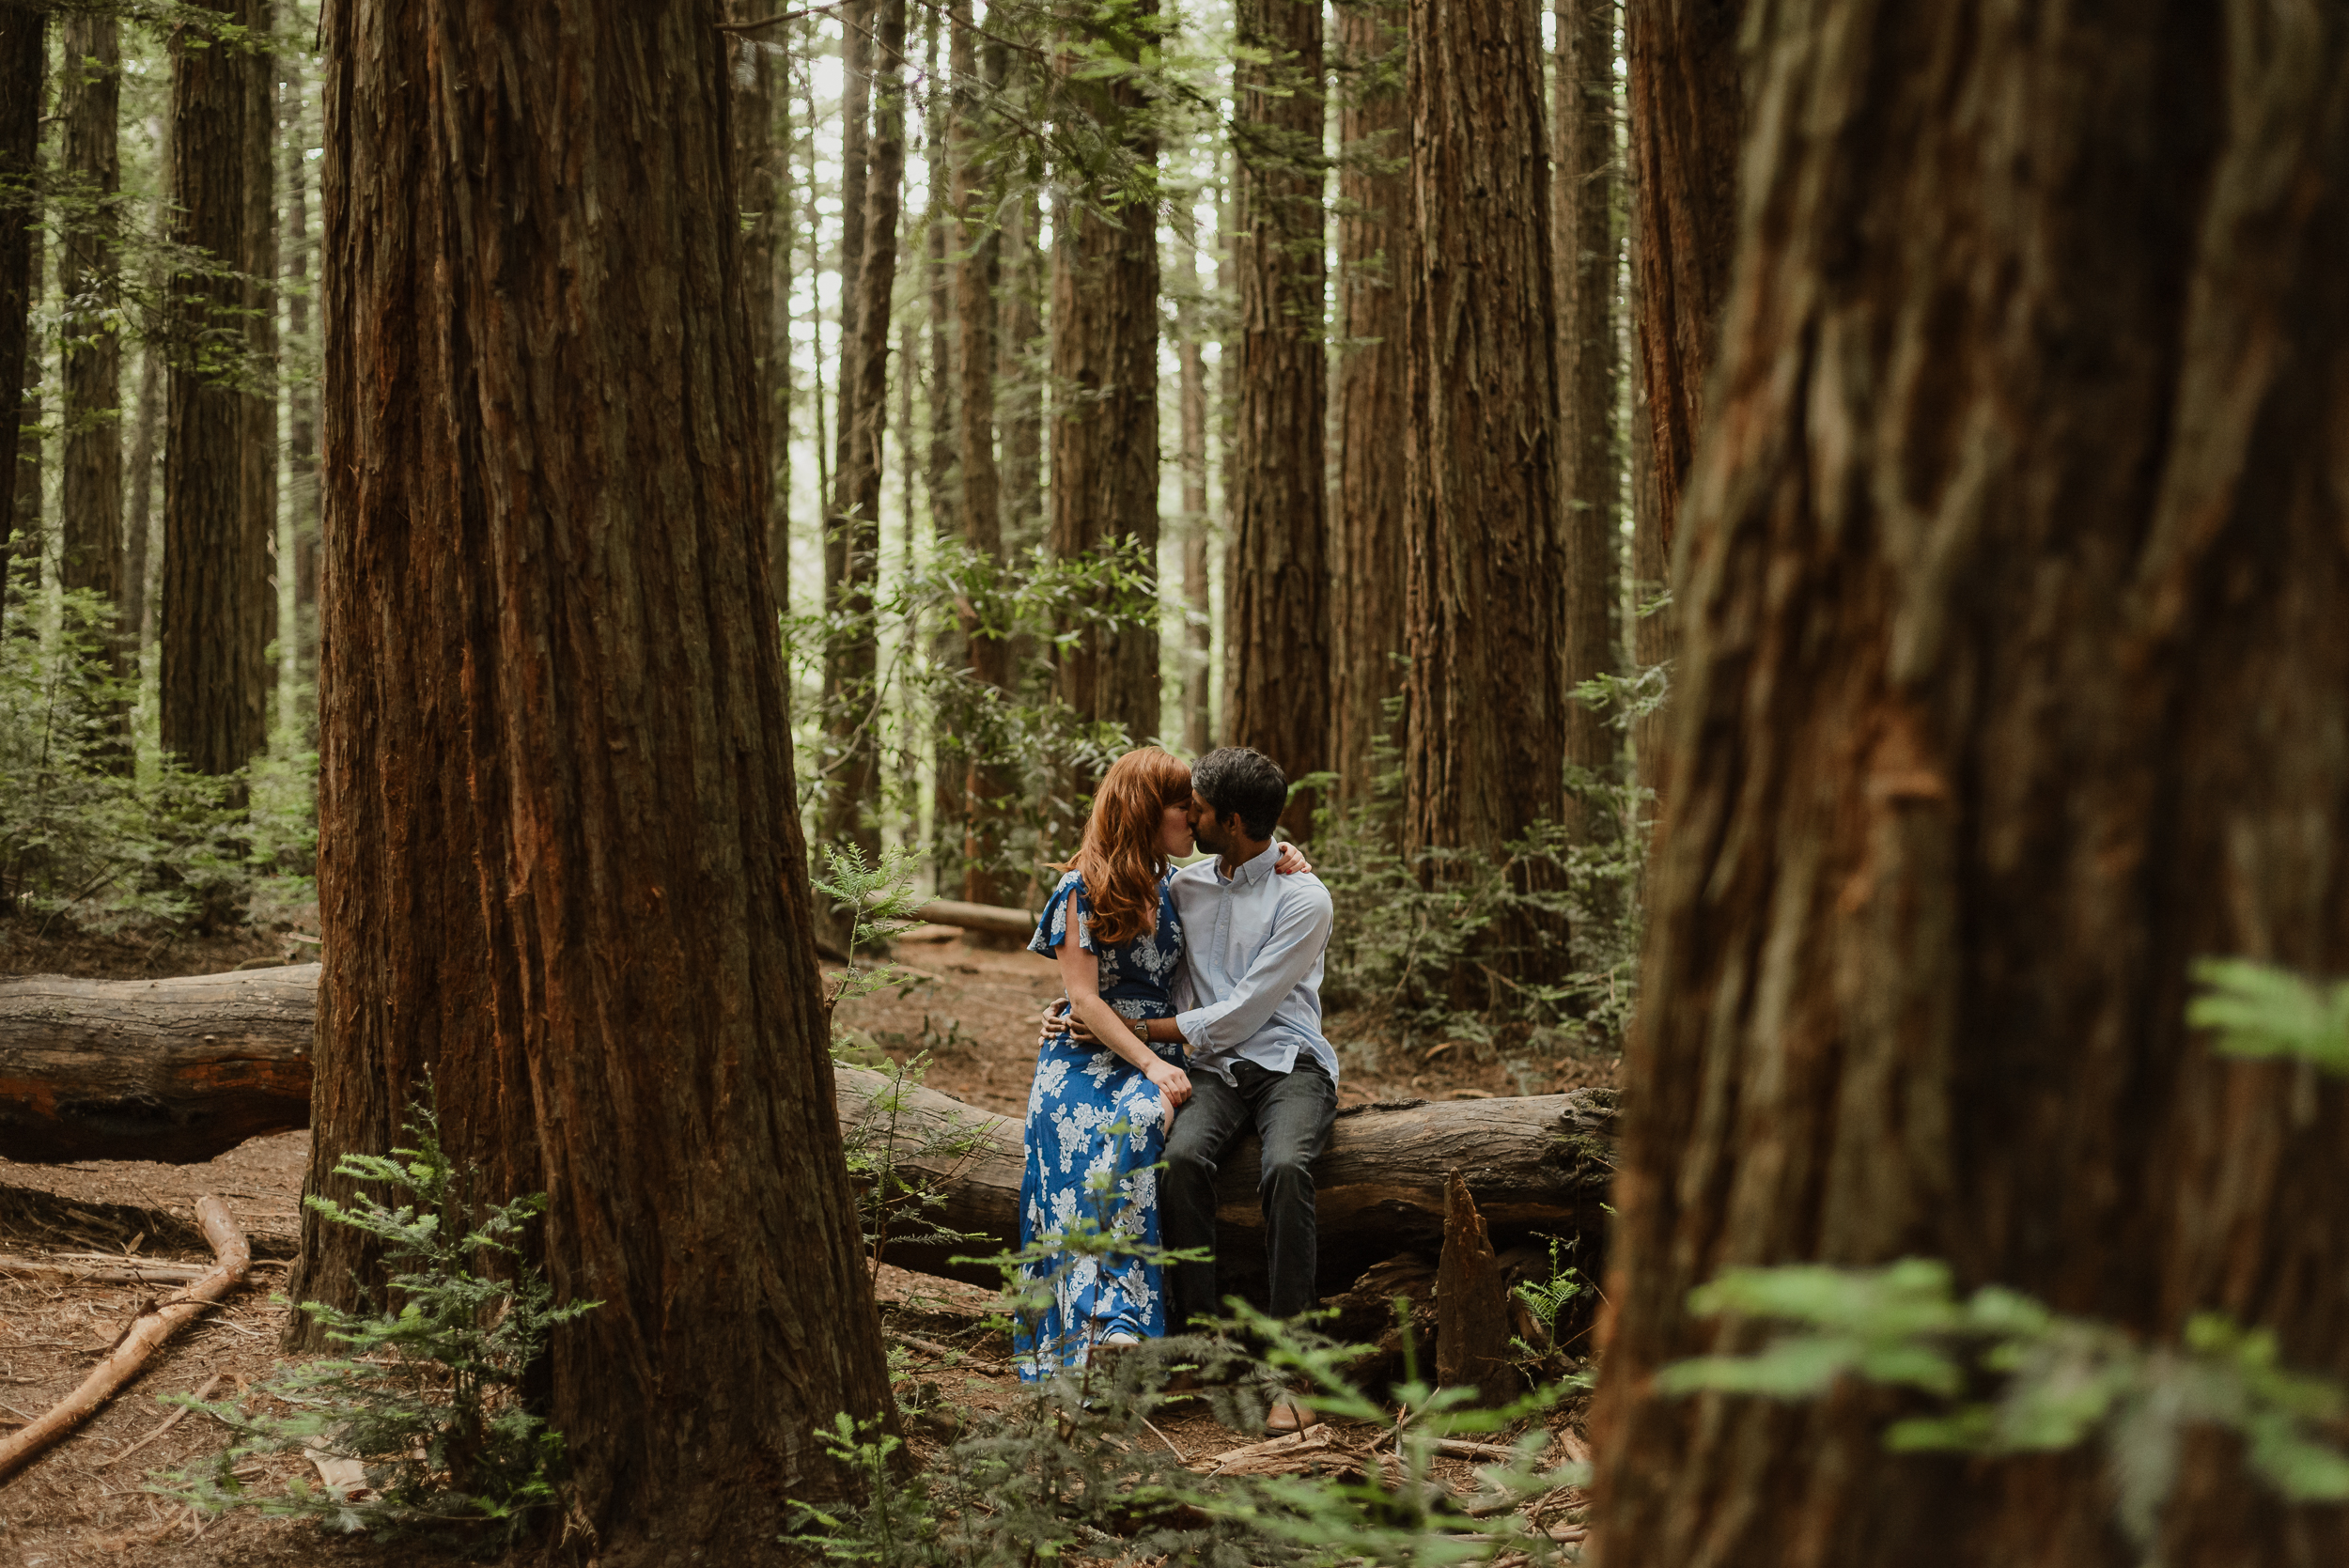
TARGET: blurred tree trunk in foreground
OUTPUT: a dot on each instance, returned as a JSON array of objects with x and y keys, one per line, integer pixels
[
  {"x": 557, "y": 812},
  {"x": 2015, "y": 563}
]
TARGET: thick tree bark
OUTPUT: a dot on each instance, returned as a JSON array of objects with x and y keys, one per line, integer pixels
[
  {"x": 977, "y": 271},
  {"x": 852, "y": 537},
  {"x": 1021, "y": 372},
  {"x": 1482, "y": 514},
  {"x": 91, "y": 483},
  {"x": 1687, "y": 102},
  {"x": 1591, "y": 486},
  {"x": 1198, "y": 527},
  {"x": 1375, "y": 183},
  {"x": 257, "y": 459},
  {"x": 2015, "y": 563},
  {"x": 302, "y": 392},
  {"x": 1105, "y": 441},
  {"x": 556, "y": 811},
  {"x": 217, "y": 614},
  {"x": 23, "y": 60},
  {"x": 758, "y": 161},
  {"x": 1277, "y": 693}
]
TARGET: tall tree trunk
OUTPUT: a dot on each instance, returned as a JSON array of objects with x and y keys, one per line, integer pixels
[
  {"x": 1276, "y": 576},
  {"x": 257, "y": 461},
  {"x": 1686, "y": 101},
  {"x": 302, "y": 392},
  {"x": 217, "y": 616},
  {"x": 1105, "y": 442},
  {"x": 1592, "y": 486},
  {"x": 942, "y": 484},
  {"x": 852, "y": 544},
  {"x": 1022, "y": 324},
  {"x": 1375, "y": 184},
  {"x": 758, "y": 195},
  {"x": 90, "y": 484},
  {"x": 2011, "y": 688},
  {"x": 138, "y": 509},
  {"x": 1198, "y": 528},
  {"x": 985, "y": 787},
  {"x": 31, "y": 491},
  {"x": 558, "y": 809},
  {"x": 24, "y": 59},
  {"x": 1480, "y": 524}
]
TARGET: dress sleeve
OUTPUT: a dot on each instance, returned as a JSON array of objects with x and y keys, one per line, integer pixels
[{"x": 1068, "y": 904}]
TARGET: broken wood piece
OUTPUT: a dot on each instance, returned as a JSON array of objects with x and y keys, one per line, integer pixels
[
  {"x": 1460, "y": 1448},
  {"x": 945, "y": 1352},
  {"x": 119, "y": 1272},
  {"x": 1297, "y": 1451},
  {"x": 1472, "y": 1305},
  {"x": 169, "y": 1422},
  {"x": 233, "y": 1260}
]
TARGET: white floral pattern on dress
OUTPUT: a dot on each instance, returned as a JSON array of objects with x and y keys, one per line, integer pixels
[{"x": 1096, "y": 1130}]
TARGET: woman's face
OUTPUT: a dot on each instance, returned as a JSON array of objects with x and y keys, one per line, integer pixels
[{"x": 1174, "y": 832}]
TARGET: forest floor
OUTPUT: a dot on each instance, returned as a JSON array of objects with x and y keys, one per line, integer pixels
[{"x": 971, "y": 1008}]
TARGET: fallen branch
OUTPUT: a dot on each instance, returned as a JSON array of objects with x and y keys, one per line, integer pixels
[
  {"x": 1274, "y": 1455},
  {"x": 169, "y": 1422},
  {"x": 117, "y": 1271},
  {"x": 945, "y": 1352},
  {"x": 233, "y": 1260}
]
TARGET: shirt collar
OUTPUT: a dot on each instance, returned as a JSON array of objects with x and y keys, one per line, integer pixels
[{"x": 1256, "y": 869}]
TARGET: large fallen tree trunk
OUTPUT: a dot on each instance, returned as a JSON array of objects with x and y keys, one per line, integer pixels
[{"x": 182, "y": 1070}]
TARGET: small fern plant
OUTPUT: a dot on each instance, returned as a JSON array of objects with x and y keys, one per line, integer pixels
[{"x": 426, "y": 1398}]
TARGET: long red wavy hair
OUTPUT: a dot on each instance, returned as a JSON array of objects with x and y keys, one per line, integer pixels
[{"x": 1124, "y": 853}]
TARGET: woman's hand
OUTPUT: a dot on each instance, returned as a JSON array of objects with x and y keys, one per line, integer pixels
[
  {"x": 1172, "y": 1081},
  {"x": 1291, "y": 859}
]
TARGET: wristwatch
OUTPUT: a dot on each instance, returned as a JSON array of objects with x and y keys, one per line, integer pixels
[{"x": 1141, "y": 1031}]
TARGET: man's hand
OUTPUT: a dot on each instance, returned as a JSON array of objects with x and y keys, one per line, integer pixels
[{"x": 1059, "y": 1022}]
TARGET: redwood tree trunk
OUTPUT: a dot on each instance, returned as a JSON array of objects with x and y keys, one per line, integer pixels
[
  {"x": 1481, "y": 523},
  {"x": 2014, "y": 565},
  {"x": 1276, "y": 575},
  {"x": 1105, "y": 441},
  {"x": 1020, "y": 324},
  {"x": 90, "y": 484},
  {"x": 217, "y": 614},
  {"x": 1687, "y": 102},
  {"x": 757, "y": 164},
  {"x": 257, "y": 459},
  {"x": 1374, "y": 126},
  {"x": 852, "y": 537},
  {"x": 557, "y": 813},
  {"x": 1198, "y": 528},
  {"x": 24, "y": 37},
  {"x": 977, "y": 270},
  {"x": 1584, "y": 215}
]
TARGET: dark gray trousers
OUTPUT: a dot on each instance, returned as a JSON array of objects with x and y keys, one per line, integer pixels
[{"x": 1290, "y": 1113}]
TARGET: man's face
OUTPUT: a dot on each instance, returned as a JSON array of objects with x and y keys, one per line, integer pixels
[{"x": 1213, "y": 835}]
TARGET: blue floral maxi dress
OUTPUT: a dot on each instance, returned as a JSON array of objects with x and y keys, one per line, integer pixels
[{"x": 1096, "y": 1128}]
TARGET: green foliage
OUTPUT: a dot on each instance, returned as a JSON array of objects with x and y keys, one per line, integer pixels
[
  {"x": 2260, "y": 1011},
  {"x": 1545, "y": 1299},
  {"x": 428, "y": 1396},
  {"x": 87, "y": 832},
  {"x": 900, "y": 1164},
  {"x": 2054, "y": 1381},
  {"x": 883, "y": 900},
  {"x": 1409, "y": 926}
]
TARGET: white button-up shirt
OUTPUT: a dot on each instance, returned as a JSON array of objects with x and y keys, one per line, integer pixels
[{"x": 1250, "y": 988}]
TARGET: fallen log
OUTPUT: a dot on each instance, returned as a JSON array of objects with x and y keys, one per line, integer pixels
[
  {"x": 990, "y": 918},
  {"x": 231, "y": 1259},
  {"x": 182, "y": 1070},
  {"x": 169, "y": 1070}
]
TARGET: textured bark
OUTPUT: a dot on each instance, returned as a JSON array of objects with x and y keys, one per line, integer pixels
[
  {"x": 31, "y": 493},
  {"x": 176, "y": 1071},
  {"x": 942, "y": 474},
  {"x": 1276, "y": 576},
  {"x": 2015, "y": 562},
  {"x": 852, "y": 536},
  {"x": 1482, "y": 524},
  {"x": 560, "y": 860},
  {"x": 977, "y": 270},
  {"x": 1591, "y": 484},
  {"x": 757, "y": 186},
  {"x": 1021, "y": 372},
  {"x": 1198, "y": 527},
  {"x": 89, "y": 100},
  {"x": 1367, "y": 549},
  {"x": 24, "y": 37},
  {"x": 138, "y": 505},
  {"x": 302, "y": 392},
  {"x": 217, "y": 614},
  {"x": 1687, "y": 102},
  {"x": 256, "y": 459},
  {"x": 1471, "y": 1304},
  {"x": 1105, "y": 440}
]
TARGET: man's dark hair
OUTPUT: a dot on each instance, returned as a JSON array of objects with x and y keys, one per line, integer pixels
[{"x": 1243, "y": 782}]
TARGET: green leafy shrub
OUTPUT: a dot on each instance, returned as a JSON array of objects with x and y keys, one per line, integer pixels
[{"x": 427, "y": 1398}]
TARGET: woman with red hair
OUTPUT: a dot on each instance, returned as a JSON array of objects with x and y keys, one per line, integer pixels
[{"x": 1100, "y": 1109}]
